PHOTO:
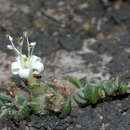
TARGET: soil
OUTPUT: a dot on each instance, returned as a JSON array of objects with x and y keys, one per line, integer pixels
[{"x": 83, "y": 38}]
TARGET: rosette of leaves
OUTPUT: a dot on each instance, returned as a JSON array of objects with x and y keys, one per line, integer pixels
[
  {"x": 45, "y": 97},
  {"x": 17, "y": 107},
  {"x": 96, "y": 90},
  {"x": 49, "y": 98}
]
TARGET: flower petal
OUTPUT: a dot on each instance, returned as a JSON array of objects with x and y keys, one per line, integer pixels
[
  {"x": 24, "y": 73},
  {"x": 37, "y": 67},
  {"x": 15, "y": 66},
  {"x": 34, "y": 59}
]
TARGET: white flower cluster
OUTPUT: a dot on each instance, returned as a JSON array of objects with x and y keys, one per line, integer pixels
[{"x": 24, "y": 66}]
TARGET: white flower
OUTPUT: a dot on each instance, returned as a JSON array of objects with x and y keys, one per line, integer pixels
[{"x": 24, "y": 65}]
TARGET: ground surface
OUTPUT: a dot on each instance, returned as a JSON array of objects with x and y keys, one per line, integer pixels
[{"x": 75, "y": 38}]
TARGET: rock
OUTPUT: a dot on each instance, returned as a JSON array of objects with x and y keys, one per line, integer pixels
[
  {"x": 45, "y": 45},
  {"x": 91, "y": 58},
  {"x": 122, "y": 15},
  {"x": 69, "y": 42}
]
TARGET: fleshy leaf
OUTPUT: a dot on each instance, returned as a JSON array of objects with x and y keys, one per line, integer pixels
[
  {"x": 76, "y": 82},
  {"x": 4, "y": 114},
  {"x": 5, "y": 97},
  {"x": 95, "y": 82},
  {"x": 81, "y": 93},
  {"x": 67, "y": 108},
  {"x": 116, "y": 84},
  {"x": 79, "y": 100},
  {"x": 1, "y": 103},
  {"x": 107, "y": 87},
  {"x": 123, "y": 88}
]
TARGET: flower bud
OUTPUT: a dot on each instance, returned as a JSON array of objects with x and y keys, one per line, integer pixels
[
  {"x": 21, "y": 41},
  {"x": 10, "y": 38},
  {"x": 32, "y": 44},
  {"x": 10, "y": 47}
]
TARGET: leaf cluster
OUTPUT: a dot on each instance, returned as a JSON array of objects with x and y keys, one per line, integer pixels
[
  {"x": 16, "y": 107},
  {"x": 52, "y": 96},
  {"x": 96, "y": 90}
]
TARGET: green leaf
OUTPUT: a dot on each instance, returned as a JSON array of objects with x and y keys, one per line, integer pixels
[
  {"x": 101, "y": 92},
  {"x": 9, "y": 104},
  {"x": 20, "y": 100},
  {"x": 76, "y": 82},
  {"x": 123, "y": 88},
  {"x": 33, "y": 105},
  {"x": 4, "y": 97},
  {"x": 117, "y": 81},
  {"x": 80, "y": 92},
  {"x": 92, "y": 93},
  {"x": 87, "y": 91},
  {"x": 107, "y": 85},
  {"x": 78, "y": 99},
  {"x": 67, "y": 108},
  {"x": 95, "y": 82},
  {"x": 23, "y": 112},
  {"x": 4, "y": 114},
  {"x": 116, "y": 84},
  {"x": 38, "y": 103},
  {"x": 1, "y": 103}
]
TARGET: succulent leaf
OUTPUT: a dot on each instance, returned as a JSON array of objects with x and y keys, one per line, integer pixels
[
  {"x": 101, "y": 92},
  {"x": 123, "y": 88},
  {"x": 1, "y": 103},
  {"x": 76, "y": 82},
  {"x": 116, "y": 84},
  {"x": 81, "y": 93},
  {"x": 94, "y": 95},
  {"x": 9, "y": 104},
  {"x": 4, "y": 114},
  {"x": 67, "y": 108},
  {"x": 5, "y": 97},
  {"x": 79, "y": 100},
  {"x": 108, "y": 87},
  {"x": 95, "y": 82},
  {"x": 32, "y": 105}
]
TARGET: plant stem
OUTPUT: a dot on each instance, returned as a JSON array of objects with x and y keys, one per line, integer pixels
[{"x": 31, "y": 80}]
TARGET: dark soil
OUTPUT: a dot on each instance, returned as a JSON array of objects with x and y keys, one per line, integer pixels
[
  {"x": 66, "y": 24},
  {"x": 107, "y": 115}
]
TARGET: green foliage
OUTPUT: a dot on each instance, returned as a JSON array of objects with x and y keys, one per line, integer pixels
[
  {"x": 4, "y": 113},
  {"x": 76, "y": 82},
  {"x": 123, "y": 88},
  {"x": 51, "y": 97},
  {"x": 48, "y": 98},
  {"x": 96, "y": 90},
  {"x": 4, "y": 97},
  {"x": 80, "y": 99},
  {"x": 44, "y": 98},
  {"x": 16, "y": 107},
  {"x": 91, "y": 92},
  {"x": 66, "y": 108},
  {"x": 23, "y": 111}
]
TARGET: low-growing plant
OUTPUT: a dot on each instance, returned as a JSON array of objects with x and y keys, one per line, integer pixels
[
  {"x": 17, "y": 107},
  {"x": 40, "y": 96},
  {"x": 45, "y": 99},
  {"x": 97, "y": 90},
  {"x": 48, "y": 96}
]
